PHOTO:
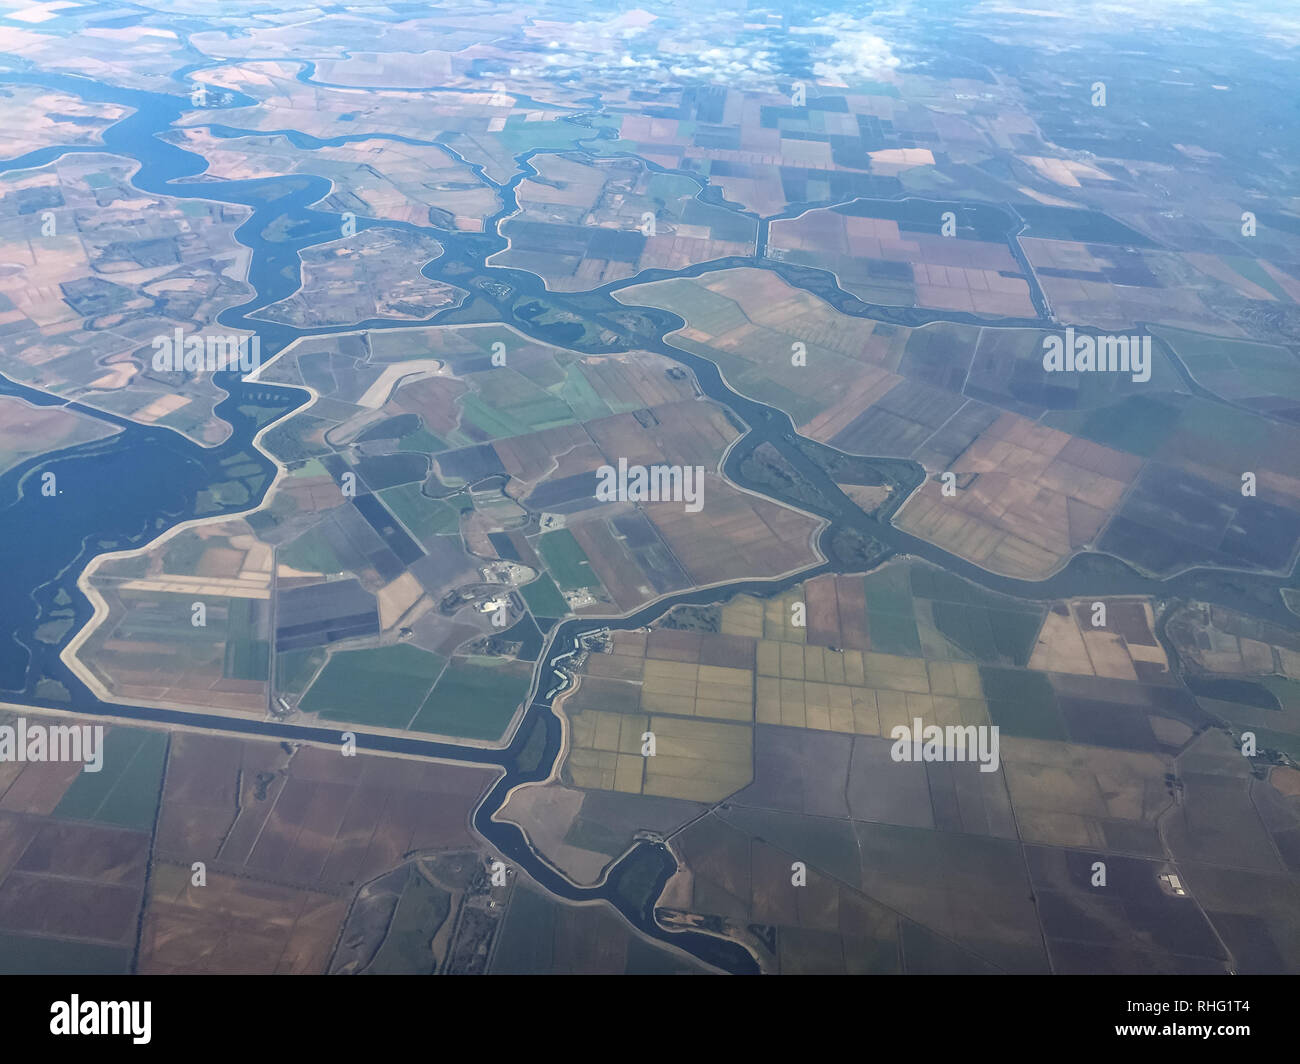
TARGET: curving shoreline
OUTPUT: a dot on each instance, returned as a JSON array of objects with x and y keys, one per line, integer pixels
[{"x": 1095, "y": 575}]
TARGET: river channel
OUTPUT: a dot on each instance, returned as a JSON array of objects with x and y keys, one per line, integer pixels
[{"x": 125, "y": 490}]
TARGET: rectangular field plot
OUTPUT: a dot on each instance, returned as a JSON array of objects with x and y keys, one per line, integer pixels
[
  {"x": 385, "y": 686},
  {"x": 698, "y": 760},
  {"x": 149, "y": 649},
  {"x": 1027, "y": 498},
  {"x": 473, "y": 701},
  {"x": 697, "y": 690},
  {"x": 863, "y": 693},
  {"x": 694, "y": 759},
  {"x": 1173, "y": 519}
]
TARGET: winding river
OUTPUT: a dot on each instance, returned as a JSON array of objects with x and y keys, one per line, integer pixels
[{"x": 123, "y": 491}]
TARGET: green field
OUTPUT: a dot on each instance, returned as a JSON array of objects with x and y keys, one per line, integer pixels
[
  {"x": 1138, "y": 424},
  {"x": 762, "y": 368},
  {"x": 474, "y": 701},
  {"x": 422, "y": 441},
  {"x": 247, "y": 656},
  {"x": 989, "y": 627},
  {"x": 1211, "y": 434},
  {"x": 183, "y": 553},
  {"x": 544, "y": 598},
  {"x": 1235, "y": 367},
  {"x": 425, "y": 517},
  {"x": 725, "y": 224},
  {"x": 891, "y": 615},
  {"x": 310, "y": 553},
  {"x": 294, "y": 668},
  {"x": 509, "y": 404},
  {"x": 520, "y": 135},
  {"x": 576, "y": 392},
  {"x": 383, "y": 687},
  {"x": 1022, "y": 703},
  {"x": 566, "y": 560},
  {"x": 383, "y": 471},
  {"x": 125, "y": 791},
  {"x": 989, "y": 635}
]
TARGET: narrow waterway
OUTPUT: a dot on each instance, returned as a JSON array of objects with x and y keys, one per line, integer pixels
[{"x": 125, "y": 490}]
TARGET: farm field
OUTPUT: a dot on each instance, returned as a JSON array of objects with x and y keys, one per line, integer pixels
[
  {"x": 384, "y": 686},
  {"x": 583, "y": 224},
  {"x": 151, "y": 651},
  {"x": 783, "y": 489},
  {"x": 374, "y": 274},
  {"x": 74, "y": 854},
  {"x": 1260, "y": 375},
  {"x": 1026, "y": 499},
  {"x": 382, "y": 179},
  {"x": 27, "y": 430},
  {"x": 894, "y": 254},
  {"x": 474, "y": 701},
  {"x": 83, "y": 306},
  {"x": 287, "y": 838},
  {"x": 749, "y": 322},
  {"x": 1116, "y": 287}
]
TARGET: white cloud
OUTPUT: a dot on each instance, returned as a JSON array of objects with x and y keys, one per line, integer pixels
[{"x": 855, "y": 54}]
